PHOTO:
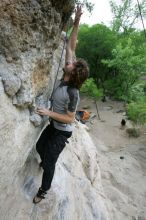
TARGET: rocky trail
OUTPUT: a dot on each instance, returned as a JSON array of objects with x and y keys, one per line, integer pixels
[{"x": 122, "y": 160}]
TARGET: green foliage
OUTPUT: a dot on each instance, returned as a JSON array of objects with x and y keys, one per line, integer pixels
[
  {"x": 136, "y": 111},
  {"x": 117, "y": 58},
  {"x": 137, "y": 92},
  {"x": 128, "y": 67},
  {"x": 94, "y": 44},
  {"x": 91, "y": 89},
  {"x": 113, "y": 89}
]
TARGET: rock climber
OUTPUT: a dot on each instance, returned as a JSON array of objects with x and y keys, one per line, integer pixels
[{"x": 65, "y": 99}]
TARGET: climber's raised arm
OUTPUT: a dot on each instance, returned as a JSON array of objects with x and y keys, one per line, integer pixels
[{"x": 71, "y": 44}]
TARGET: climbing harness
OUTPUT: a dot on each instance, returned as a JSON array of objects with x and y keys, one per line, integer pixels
[{"x": 141, "y": 18}]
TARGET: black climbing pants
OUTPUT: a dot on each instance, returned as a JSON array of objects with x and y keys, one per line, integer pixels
[{"x": 50, "y": 144}]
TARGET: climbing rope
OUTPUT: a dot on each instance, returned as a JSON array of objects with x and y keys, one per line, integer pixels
[
  {"x": 141, "y": 18},
  {"x": 58, "y": 70}
]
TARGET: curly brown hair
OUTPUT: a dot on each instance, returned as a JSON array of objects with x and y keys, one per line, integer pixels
[{"x": 79, "y": 74}]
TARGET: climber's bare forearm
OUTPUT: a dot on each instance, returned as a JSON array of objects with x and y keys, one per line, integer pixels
[
  {"x": 73, "y": 38},
  {"x": 71, "y": 45},
  {"x": 69, "y": 117}
]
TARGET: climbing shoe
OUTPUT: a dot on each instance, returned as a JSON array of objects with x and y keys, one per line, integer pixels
[{"x": 39, "y": 196}]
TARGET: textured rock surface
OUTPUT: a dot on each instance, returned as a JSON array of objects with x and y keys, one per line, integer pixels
[
  {"x": 76, "y": 191},
  {"x": 30, "y": 32}
]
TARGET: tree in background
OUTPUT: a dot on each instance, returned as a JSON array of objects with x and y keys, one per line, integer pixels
[
  {"x": 128, "y": 67},
  {"x": 126, "y": 14},
  {"x": 117, "y": 57},
  {"x": 90, "y": 88},
  {"x": 94, "y": 44},
  {"x": 85, "y": 3}
]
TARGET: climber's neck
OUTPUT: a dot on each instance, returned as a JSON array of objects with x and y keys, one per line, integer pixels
[{"x": 66, "y": 78}]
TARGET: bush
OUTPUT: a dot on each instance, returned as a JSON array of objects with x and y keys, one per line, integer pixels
[
  {"x": 136, "y": 111},
  {"x": 113, "y": 90},
  {"x": 137, "y": 92},
  {"x": 127, "y": 66},
  {"x": 91, "y": 89}
]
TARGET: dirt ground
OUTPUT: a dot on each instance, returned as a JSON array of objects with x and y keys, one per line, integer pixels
[{"x": 122, "y": 159}]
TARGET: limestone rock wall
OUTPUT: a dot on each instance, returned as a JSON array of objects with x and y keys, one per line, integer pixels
[
  {"x": 76, "y": 191},
  {"x": 30, "y": 32}
]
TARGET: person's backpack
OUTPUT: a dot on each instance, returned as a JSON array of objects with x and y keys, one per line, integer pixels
[
  {"x": 85, "y": 115},
  {"x": 82, "y": 115}
]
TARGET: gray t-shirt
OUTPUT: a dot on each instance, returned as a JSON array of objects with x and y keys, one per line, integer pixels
[{"x": 65, "y": 99}]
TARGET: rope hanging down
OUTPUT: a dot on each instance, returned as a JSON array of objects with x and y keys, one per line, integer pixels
[
  {"x": 58, "y": 71},
  {"x": 141, "y": 17}
]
